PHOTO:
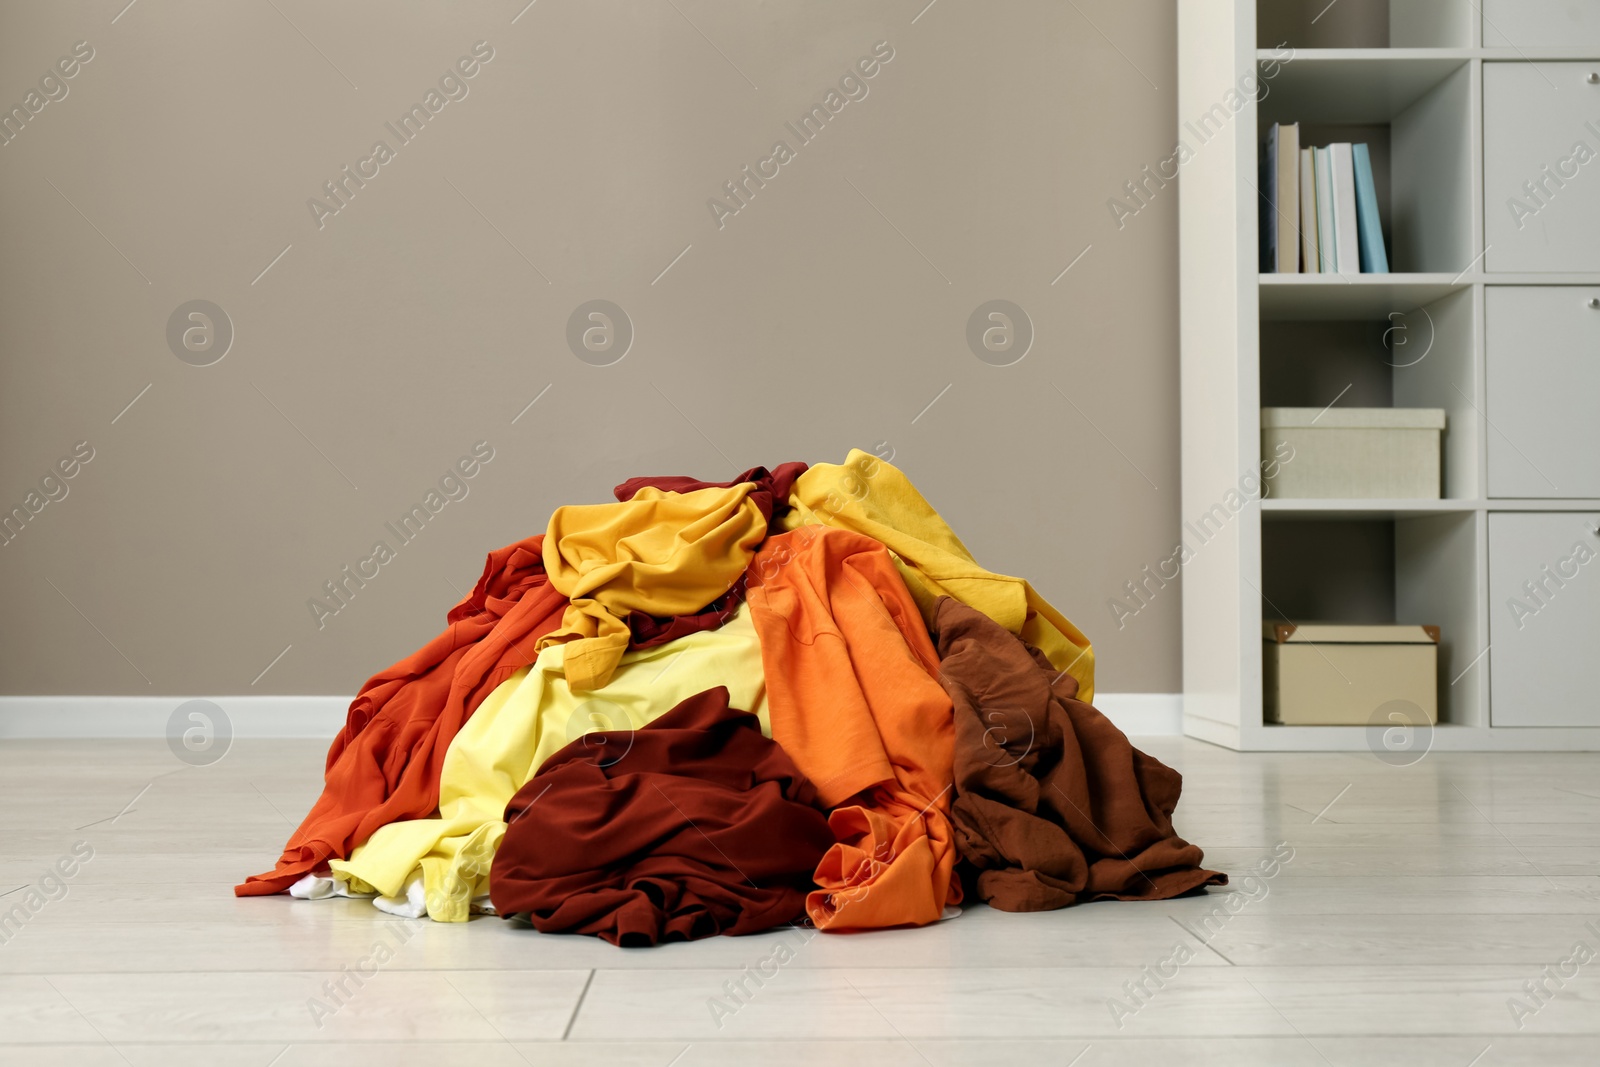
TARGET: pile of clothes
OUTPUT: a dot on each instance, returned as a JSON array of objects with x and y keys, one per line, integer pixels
[{"x": 718, "y": 707}]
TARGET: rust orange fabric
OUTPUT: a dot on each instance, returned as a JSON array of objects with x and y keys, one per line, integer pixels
[
  {"x": 854, "y": 699},
  {"x": 384, "y": 765}
]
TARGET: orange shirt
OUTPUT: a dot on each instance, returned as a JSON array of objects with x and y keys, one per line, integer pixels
[
  {"x": 384, "y": 765},
  {"x": 854, "y": 699}
]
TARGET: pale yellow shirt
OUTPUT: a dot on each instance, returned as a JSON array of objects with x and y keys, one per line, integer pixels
[{"x": 525, "y": 721}]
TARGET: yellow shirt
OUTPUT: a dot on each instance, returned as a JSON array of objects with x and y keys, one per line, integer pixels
[
  {"x": 524, "y": 722},
  {"x": 660, "y": 553},
  {"x": 869, "y": 496}
]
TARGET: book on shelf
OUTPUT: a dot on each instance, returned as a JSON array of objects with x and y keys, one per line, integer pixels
[
  {"x": 1324, "y": 163},
  {"x": 1374, "y": 260},
  {"x": 1319, "y": 207},
  {"x": 1308, "y": 212},
  {"x": 1267, "y": 224},
  {"x": 1280, "y": 199},
  {"x": 1346, "y": 233}
]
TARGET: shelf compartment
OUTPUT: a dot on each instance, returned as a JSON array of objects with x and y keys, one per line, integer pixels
[
  {"x": 1416, "y": 568},
  {"x": 1389, "y": 356},
  {"x": 1415, "y": 116}
]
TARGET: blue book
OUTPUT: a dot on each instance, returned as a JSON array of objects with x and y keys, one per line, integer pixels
[{"x": 1373, "y": 258}]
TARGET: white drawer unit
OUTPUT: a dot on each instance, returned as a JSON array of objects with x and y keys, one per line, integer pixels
[
  {"x": 1542, "y": 344},
  {"x": 1544, "y": 618},
  {"x": 1541, "y": 23},
  {"x": 1541, "y": 166}
]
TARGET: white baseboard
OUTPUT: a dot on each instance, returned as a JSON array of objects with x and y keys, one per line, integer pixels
[
  {"x": 255, "y": 717},
  {"x": 1143, "y": 714},
  {"x": 148, "y": 717}
]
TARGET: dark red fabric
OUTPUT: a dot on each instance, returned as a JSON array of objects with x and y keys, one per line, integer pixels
[
  {"x": 702, "y": 827},
  {"x": 384, "y": 765},
  {"x": 771, "y": 493},
  {"x": 645, "y": 631},
  {"x": 1053, "y": 805}
]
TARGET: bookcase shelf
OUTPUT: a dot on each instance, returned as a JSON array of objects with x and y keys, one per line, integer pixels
[
  {"x": 1280, "y": 508},
  {"x": 1365, "y": 85},
  {"x": 1351, "y": 296},
  {"x": 1415, "y": 80}
]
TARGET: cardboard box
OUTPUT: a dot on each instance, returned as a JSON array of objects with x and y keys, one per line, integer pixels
[
  {"x": 1335, "y": 674},
  {"x": 1355, "y": 453}
]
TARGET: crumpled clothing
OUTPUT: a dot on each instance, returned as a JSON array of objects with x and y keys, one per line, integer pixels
[
  {"x": 384, "y": 765},
  {"x": 409, "y": 904},
  {"x": 770, "y": 493},
  {"x": 705, "y": 827},
  {"x": 869, "y": 496},
  {"x": 1053, "y": 804},
  {"x": 647, "y": 631},
  {"x": 661, "y": 553},
  {"x": 855, "y": 701},
  {"x": 527, "y": 720}
]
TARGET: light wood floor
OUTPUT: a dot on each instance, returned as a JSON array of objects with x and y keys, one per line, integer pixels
[{"x": 1417, "y": 903}]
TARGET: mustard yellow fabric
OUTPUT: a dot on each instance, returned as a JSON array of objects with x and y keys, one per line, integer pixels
[
  {"x": 524, "y": 722},
  {"x": 660, "y": 553},
  {"x": 869, "y": 496}
]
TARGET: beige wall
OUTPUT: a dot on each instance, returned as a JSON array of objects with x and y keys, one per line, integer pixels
[{"x": 429, "y": 311}]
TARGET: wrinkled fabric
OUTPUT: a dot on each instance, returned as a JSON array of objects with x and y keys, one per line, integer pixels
[
  {"x": 661, "y": 553},
  {"x": 647, "y": 631},
  {"x": 869, "y": 496},
  {"x": 704, "y": 827},
  {"x": 1053, "y": 805},
  {"x": 523, "y": 723},
  {"x": 855, "y": 701},
  {"x": 770, "y": 493},
  {"x": 385, "y": 763}
]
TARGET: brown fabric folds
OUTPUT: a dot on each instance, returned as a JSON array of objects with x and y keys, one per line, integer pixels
[
  {"x": 701, "y": 827},
  {"x": 1053, "y": 805}
]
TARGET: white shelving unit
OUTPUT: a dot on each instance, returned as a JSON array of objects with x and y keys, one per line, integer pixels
[{"x": 1461, "y": 101}]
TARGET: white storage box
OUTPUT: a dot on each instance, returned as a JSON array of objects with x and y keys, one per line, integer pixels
[
  {"x": 1332, "y": 674},
  {"x": 1353, "y": 453}
]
